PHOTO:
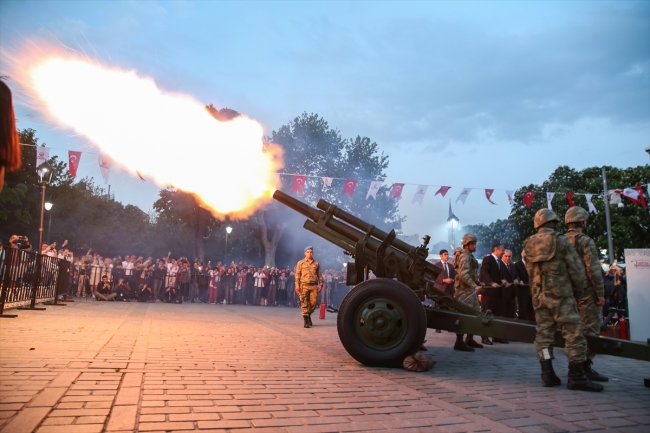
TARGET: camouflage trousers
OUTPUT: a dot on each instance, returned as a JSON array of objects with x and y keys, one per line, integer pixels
[
  {"x": 591, "y": 317},
  {"x": 308, "y": 299},
  {"x": 468, "y": 297},
  {"x": 551, "y": 312}
]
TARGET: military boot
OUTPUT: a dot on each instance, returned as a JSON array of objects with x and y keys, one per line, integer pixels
[
  {"x": 461, "y": 345},
  {"x": 306, "y": 321},
  {"x": 593, "y": 375},
  {"x": 548, "y": 374},
  {"x": 469, "y": 340},
  {"x": 309, "y": 317},
  {"x": 578, "y": 381}
]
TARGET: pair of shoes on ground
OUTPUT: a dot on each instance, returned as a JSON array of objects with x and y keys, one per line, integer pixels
[{"x": 308, "y": 323}]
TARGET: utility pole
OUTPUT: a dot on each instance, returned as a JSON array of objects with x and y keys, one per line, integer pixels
[{"x": 610, "y": 242}]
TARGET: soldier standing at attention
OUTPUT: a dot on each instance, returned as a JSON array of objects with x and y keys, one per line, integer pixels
[
  {"x": 309, "y": 282},
  {"x": 594, "y": 295},
  {"x": 555, "y": 271},
  {"x": 466, "y": 286}
]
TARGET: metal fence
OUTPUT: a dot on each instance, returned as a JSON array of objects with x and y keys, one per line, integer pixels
[{"x": 28, "y": 278}]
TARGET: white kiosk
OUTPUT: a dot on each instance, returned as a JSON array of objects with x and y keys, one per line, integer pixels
[{"x": 637, "y": 269}]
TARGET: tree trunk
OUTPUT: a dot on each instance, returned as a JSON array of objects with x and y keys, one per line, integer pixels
[
  {"x": 270, "y": 245},
  {"x": 200, "y": 238}
]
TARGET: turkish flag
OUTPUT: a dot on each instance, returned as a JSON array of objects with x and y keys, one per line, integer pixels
[
  {"x": 350, "y": 184},
  {"x": 298, "y": 184},
  {"x": 396, "y": 191},
  {"x": 631, "y": 194},
  {"x": 488, "y": 194},
  {"x": 442, "y": 191},
  {"x": 569, "y": 197},
  {"x": 641, "y": 196},
  {"x": 73, "y": 161},
  {"x": 528, "y": 198}
]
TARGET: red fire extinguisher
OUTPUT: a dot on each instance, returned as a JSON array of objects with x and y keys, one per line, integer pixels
[
  {"x": 321, "y": 313},
  {"x": 624, "y": 328}
]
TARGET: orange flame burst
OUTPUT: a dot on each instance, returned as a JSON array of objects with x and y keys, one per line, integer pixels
[{"x": 168, "y": 137}]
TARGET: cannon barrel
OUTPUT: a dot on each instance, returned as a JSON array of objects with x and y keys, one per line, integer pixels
[
  {"x": 341, "y": 230},
  {"x": 362, "y": 225},
  {"x": 297, "y": 205}
]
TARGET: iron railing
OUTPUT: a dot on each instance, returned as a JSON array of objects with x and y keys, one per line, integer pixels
[{"x": 28, "y": 278}]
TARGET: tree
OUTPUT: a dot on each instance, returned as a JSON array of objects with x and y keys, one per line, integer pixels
[
  {"x": 20, "y": 200},
  {"x": 313, "y": 148},
  {"x": 438, "y": 246},
  {"x": 630, "y": 224}
]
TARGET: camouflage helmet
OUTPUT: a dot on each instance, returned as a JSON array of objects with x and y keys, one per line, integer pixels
[
  {"x": 543, "y": 216},
  {"x": 575, "y": 215},
  {"x": 468, "y": 239}
]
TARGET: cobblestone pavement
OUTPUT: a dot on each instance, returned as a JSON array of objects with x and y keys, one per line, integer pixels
[{"x": 105, "y": 366}]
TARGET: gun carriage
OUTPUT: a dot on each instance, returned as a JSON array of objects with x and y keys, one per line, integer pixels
[{"x": 383, "y": 320}]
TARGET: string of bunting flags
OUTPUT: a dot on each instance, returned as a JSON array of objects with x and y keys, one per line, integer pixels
[
  {"x": 635, "y": 195},
  {"x": 74, "y": 157}
]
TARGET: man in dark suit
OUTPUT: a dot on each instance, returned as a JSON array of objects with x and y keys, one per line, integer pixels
[
  {"x": 508, "y": 273},
  {"x": 445, "y": 280},
  {"x": 490, "y": 276},
  {"x": 524, "y": 299}
]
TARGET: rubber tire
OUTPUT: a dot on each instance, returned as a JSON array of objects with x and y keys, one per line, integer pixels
[{"x": 399, "y": 293}]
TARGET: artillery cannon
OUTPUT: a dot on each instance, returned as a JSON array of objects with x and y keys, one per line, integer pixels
[{"x": 383, "y": 320}]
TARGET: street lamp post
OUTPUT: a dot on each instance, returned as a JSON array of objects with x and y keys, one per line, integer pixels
[
  {"x": 228, "y": 231},
  {"x": 48, "y": 208},
  {"x": 45, "y": 173}
]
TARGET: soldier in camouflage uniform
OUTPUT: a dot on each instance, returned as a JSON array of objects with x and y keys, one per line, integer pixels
[
  {"x": 309, "y": 282},
  {"x": 594, "y": 295},
  {"x": 555, "y": 273},
  {"x": 466, "y": 286}
]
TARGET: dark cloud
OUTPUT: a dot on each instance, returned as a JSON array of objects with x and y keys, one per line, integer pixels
[{"x": 440, "y": 80}]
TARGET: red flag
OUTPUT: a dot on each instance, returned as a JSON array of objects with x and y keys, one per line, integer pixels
[
  {"x": 350, "y": 184},
  {"x": 139, "y": 175},
  {"x": 569, "y": 197},
  {"x": 396, "y": 191},
  {"x": 528, "y": 198},
  {"x": 73, "y": 161},
  {"x": 442, "y": 191},
  {"x": 298, "y": 184},
  {"x": 488, "y": 194},
  {"x": 641, "y": 197}
]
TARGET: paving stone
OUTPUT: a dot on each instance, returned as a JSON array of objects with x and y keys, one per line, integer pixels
[
  {"x": 26, "y": 420},
  {"x": 223, "y": 424},
  {"x": 122, "y": 418},
  {"x": 83, "y": 428}
]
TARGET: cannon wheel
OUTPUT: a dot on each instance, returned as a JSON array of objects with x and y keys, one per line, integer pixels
[{"x": 381, "y": 322}]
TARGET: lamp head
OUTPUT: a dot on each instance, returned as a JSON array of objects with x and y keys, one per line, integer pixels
[
  {"x": 45, "y": 173},
  {"x": 48, "y": 205},
  {"x": 228, "y": 229}
]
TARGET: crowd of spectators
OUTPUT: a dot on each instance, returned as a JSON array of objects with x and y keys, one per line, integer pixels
[{"x": 178, "y": 280}]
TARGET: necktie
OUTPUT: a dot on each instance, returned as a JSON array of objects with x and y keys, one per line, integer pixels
[
  {"x": 499, "y": 264},
  {"x": 446, "y": 270}
]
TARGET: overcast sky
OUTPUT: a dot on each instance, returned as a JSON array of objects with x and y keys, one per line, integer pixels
[{"x": 466, "y": 94}]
